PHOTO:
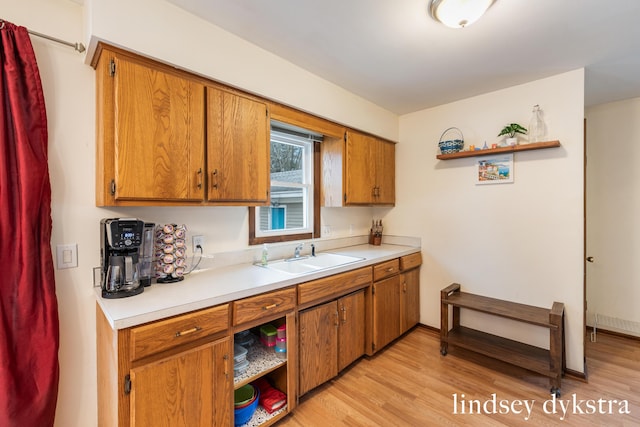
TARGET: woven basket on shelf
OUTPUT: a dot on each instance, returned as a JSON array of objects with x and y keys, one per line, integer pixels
[{"x": 450, "y": 146}]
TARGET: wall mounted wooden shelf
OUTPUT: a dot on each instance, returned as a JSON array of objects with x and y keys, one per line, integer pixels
[{"x": 500, "y": 150}]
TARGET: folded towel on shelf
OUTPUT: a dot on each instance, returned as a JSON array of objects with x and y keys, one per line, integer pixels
[{"x": 271, "y": 399}]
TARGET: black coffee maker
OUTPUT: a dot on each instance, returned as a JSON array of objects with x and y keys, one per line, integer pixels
[{"x": 120, "y": 240}]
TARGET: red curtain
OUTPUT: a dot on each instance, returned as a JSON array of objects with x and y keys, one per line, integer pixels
[{"x": 29, "y": 335}]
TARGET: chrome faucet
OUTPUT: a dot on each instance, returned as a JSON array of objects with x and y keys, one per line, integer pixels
[{"x": 296, "y": 251}]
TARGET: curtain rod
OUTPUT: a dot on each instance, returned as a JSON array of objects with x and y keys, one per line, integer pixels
[{"x": 77, "y": 46}]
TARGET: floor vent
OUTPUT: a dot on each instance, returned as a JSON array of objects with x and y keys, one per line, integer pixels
[{"x": 609, "y": 323}]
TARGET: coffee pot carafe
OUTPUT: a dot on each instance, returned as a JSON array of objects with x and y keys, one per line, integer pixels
[{"x": 120, "y": 240}]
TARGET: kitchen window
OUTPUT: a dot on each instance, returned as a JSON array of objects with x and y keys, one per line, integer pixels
[{"x": 293, "y": 213}]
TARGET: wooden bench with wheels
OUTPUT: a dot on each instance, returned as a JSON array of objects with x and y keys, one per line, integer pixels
[{"x": 550, "y": 363}]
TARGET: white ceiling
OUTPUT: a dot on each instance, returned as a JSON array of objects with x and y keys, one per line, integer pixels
[{"x": 392, "y": 53}]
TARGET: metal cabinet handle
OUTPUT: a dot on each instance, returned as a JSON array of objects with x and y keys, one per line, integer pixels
[
  {"x": 226, "y": 365},
  {"x": 214, "y": 179},
  {"x": 269, "y": 307},
  {"x": 336, "y": 322},
  {"x": 199, "y": 173},
  {"x": 590, "y": 259},
  {"x": 188, "y": 331},
  {"x": 344, "y": 314}
]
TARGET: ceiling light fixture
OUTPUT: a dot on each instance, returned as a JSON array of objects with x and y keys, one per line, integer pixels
[{"x": 458, "y": 13}]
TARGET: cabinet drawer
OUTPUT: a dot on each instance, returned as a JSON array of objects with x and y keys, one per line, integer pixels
[
  {"x": 385, "y": 269},
  {"x": 248, "y": 309},
  {"x": 165, "y": 334},
  {"x": 410, "y": 261},
  {"x": 333, "y": 286}
]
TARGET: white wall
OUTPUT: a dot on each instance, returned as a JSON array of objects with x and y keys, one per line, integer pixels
[
  {"x": 613, "y": 207},
  {"x": 164, "y": 31},
  {"x": 160, "y": 30},
  {"x": 520, "y": 241}
]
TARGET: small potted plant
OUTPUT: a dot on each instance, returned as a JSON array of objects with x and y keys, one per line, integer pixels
[{"x": 511, "y": 130}]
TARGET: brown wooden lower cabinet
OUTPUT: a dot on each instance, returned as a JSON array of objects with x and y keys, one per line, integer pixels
[
  {"x": 331, "y": 337},
  {"x": 395, "y": 299},
  {"x": 188, "y": 389},
  {"x": 276, "y": 308},
  {"x": 409, "y": 299},
  {"x": 318, "y": 339},
  {"x": 386, "y": 311},
  {"x": 172, "y": 372},
  {"x": 179, "y": 371},
  {"x": 351, "y": 333}
]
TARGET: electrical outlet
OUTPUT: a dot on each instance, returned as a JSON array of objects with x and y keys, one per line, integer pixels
[{"x": 198, "y": 241}]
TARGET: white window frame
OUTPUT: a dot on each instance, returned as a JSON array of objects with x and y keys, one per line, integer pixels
[{"x": 307, "y": 185}]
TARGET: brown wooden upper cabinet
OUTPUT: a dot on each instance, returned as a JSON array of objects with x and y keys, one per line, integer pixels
[
  {"x": 238, "y": 148},
  {"x": 150, "y": 133},
  {"x": 358, "y": 171},
  {"x": 152, "y": 144}
]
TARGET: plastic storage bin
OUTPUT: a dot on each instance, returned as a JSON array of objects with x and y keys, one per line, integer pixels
[
  {"x": 281, "y": 348},
  {"x": 268, "y": 335},
  {"x": 239, "y": 353},
  {"x": 240, "y": 368},
  {"x": 244, "y": 414},
  {"x": 244, "y": 338}
]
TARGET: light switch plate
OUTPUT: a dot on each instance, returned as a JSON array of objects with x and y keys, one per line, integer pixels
[{"x": 67, "y": 256}]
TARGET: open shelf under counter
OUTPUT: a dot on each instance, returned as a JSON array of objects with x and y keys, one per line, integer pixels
[
  {"x": 262, "y": 360},
  {"x": 500, "y": 150},
  {"x": 262, "y": 418}
]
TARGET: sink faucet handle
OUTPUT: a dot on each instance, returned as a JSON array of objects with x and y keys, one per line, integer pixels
[{"x": 296, "y": 252}]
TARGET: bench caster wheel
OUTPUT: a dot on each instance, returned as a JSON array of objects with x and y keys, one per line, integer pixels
[{"x": 555, "y": 392}]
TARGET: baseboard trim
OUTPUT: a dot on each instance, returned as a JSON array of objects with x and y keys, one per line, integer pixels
[
  {"x": 613, "y": 333},
  {"x": 431, "y": 329},
  {"x": 580, "y": 376}
]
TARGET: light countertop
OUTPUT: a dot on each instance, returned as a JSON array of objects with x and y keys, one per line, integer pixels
[{"x": 207, "y": 288}]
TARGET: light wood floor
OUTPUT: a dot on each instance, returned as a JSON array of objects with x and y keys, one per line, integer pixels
[{"x": 411, "y": 384}]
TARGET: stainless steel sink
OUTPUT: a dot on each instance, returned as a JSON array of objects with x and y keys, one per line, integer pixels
[{"x": 304, "y": 265}]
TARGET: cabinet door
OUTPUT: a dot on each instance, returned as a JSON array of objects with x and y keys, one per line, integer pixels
[
  {"x": 385, "y": 173},
  {"x": 158, "y": 134},
  {"x": 360, "y": 169},
  {"x": 238, "y": 148},
  {"x": 318, "y": 338},
  {"x": 410, "y": 299},
  {"x": 351, "y": 336},
  {"x": 386, "y": 311},
  {"x": 189, "y": 389},
  {"x": 222, "y": 382}
]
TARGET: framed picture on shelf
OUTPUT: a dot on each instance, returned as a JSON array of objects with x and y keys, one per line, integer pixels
[{"x": 496, "y": 169}]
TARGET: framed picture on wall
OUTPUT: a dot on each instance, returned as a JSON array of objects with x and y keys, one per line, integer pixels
[{"x": 494, "y": 169}]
